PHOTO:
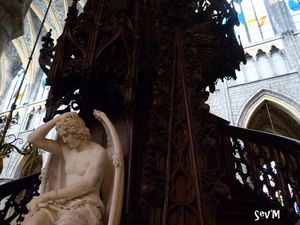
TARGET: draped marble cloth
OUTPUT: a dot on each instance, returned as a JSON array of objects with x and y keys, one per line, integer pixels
[{"x": 84, "y": 210}]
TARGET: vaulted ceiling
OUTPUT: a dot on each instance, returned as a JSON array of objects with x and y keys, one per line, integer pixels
[{"x": 17, "y": 52}]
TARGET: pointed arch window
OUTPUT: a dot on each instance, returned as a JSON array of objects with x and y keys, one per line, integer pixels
[
  {"x": 13, "y": 89},
  {"x": 43, "y": 89}
]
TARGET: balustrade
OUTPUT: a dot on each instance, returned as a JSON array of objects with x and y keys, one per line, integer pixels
[
  {"x": 266, "y": 163},
  {"x": 14, "y": 196}
]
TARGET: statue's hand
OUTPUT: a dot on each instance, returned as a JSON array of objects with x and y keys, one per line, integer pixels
[
  {"x": 70, "y": 114},
  {"x": 37, "y": 200},
  {"x": 33, "y": 203},
  {"x": 61, "y": 201},
  {"x": 64, "y": 115}
]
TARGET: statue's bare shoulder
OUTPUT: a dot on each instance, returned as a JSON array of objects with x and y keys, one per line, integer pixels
[
  {"x": 95, "y": 148},
  {"x": 97, "y": 153}
]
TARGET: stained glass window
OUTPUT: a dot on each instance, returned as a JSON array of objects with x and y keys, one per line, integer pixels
[
  {"x": 254, "y": 21},
  {"x": 294, "y": 8},
  {"x": 43, "y": 89},
  {"x": 13, "y": 90}
]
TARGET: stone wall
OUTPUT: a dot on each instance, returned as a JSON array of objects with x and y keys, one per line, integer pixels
[{"x": 239, "y": 95}]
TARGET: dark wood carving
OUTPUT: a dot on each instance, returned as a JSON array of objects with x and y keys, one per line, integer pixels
[
  {"x": 205, "y": 41},
  {"x": 98, "y": 52},
  {"x": 95, "y": 56},
  {"x": 184, "y": 196},
  {"x": 173, "y": 50}
]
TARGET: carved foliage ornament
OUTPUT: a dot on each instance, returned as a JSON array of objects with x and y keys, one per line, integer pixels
[
  {"x": 210, "y": 51},
  {"x": 211, "y": 48}
]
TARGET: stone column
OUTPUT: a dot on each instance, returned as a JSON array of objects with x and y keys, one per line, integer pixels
[{"x": 12, "y": 13}]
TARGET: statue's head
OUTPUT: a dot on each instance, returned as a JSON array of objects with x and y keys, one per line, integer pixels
[{"x": 71, "y": 128}]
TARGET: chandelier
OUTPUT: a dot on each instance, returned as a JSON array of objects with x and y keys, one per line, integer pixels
[{"x": 10, "y": 142}]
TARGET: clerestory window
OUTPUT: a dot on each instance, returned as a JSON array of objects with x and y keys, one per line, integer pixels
[
  {"x": 255, "y": 24},
  {"x": 12, "y": 91}
]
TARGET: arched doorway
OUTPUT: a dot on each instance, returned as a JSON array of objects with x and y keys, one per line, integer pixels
[{"x": 274, "y": 118}]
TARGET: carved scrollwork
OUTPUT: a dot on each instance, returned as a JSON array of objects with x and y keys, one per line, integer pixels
[{"x": 116, "y": 161}]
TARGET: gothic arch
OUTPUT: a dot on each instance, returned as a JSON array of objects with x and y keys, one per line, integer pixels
[
  {"x": 286, "y": 107},
  {"x": 29, "y": 165}
]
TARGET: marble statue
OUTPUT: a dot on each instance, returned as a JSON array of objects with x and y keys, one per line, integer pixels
[{"x": 77, "y": 171}]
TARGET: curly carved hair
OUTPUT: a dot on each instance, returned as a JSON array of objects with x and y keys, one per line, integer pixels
[{"x": 73, "y": 124}]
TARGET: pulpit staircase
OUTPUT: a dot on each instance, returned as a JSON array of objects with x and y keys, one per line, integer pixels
[
  {"x": 265, "y": 169},
  {"x": 262, "y": 175}
]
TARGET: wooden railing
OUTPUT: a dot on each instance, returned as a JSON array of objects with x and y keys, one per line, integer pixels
[
  {"x": 266, "y": 163},
  {"x": 14, "y": 196}
]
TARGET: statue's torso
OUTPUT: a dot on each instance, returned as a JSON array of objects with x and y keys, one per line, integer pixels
[{"x": 76, "y": 165}]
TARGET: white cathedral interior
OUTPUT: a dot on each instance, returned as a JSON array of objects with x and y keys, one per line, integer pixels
[{"x": 265, "y": 96}]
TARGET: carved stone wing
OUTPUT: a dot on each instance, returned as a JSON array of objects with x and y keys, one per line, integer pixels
[{"x": 113, "y": 184}]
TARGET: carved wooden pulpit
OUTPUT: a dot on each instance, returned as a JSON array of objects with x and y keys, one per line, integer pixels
[{"x": 148, "y": 65}]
